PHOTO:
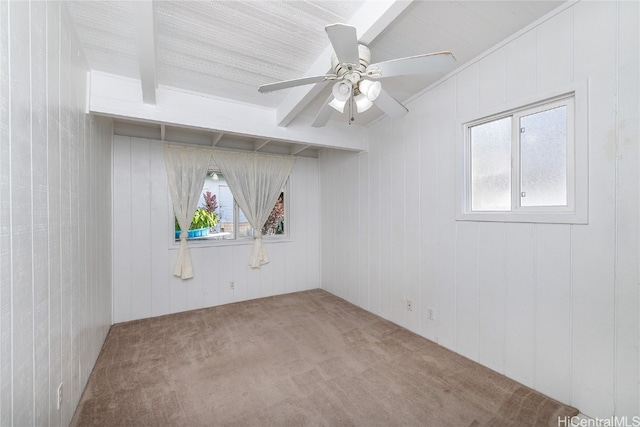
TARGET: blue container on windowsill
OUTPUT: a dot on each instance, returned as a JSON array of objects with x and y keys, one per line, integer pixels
[{"x": 199, "y": 232}]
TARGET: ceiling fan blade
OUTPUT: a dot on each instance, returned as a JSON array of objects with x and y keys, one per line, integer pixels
[
  {"x": 270, "y": 87},
  {"x": 390, "y": 105},
  {"x": 324, "y": 114},
  {"x": 344, "y": 40},
  {"x": 437, "y": 63}
]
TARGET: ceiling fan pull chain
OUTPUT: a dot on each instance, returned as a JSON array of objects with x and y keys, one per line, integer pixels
[{"x": 351, "y": 110}]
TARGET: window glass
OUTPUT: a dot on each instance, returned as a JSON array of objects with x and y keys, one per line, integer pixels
[
  {"x": 543, "y": 158},
  {"x": 225, "y": 206},
  {"x": 275, "y": 222},
  {"x": 491, "y": 166},
  {"x": 230, "y": 222}
]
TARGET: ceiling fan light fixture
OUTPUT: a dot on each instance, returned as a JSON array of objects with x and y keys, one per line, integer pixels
[
  {"x": 337, "y": 105},
  {"x": 342, "y": 91},
  {"x": 362, "y": 102},
  {"x": 371, "y": 89},
  {"x": 351, "y": 73}
]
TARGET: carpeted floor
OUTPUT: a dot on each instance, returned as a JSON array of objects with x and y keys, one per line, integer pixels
[{"x": 307, "y": 358}]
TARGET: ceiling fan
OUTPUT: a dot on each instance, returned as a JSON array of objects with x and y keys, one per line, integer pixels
[{"x": 355, "y": 77}]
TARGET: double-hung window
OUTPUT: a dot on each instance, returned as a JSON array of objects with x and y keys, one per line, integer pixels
[{"x": 525, "y": 164}]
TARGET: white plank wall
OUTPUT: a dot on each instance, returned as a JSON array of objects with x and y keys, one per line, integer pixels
[
  {"x": 145, "y": 253},
  {"x": 55, "y": 246},
  {"x": 555, "y": 307}
]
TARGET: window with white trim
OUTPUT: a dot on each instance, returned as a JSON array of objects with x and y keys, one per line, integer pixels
[{"x": 521, "y": 164}]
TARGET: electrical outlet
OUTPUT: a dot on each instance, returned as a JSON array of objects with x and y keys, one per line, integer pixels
[
  {"x": 431, "y": 314},
  {"x": 59, "y": 396},
  {"x": 232, "y": 284},
  {"x": 409, "y": 305}
]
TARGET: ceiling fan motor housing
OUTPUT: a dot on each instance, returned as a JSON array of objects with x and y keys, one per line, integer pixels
[{"x": 352, "y": 72}]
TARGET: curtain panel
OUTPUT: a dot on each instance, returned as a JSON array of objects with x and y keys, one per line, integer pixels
[
  {"x": 255, "y": 180},
  {"x": 186, "y": 171}
]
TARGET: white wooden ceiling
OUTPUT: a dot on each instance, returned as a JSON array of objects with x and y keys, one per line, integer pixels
[{"x": 222, "y": 51}]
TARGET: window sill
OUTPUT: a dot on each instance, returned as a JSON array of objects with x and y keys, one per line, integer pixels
[
  {"x": 525, "y": 217},
  {"x": 211, "y": 241}
]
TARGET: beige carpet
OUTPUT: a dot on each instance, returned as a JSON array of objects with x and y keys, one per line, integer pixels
[{"x": 307, "y": 358}]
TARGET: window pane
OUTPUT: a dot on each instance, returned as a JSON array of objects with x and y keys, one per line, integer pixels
[
  {"x": 543, "y": 157},
  {"x": 244, "y": 228},
  {"x": 216, "y": 184},
  {"x": 491, "y": 166},
  {"x": 275, "y": 222}
]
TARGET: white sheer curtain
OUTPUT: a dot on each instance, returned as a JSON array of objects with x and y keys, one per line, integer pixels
[
  {"x": 186, "y": 170},
  {"x": 255, "y": 180}
]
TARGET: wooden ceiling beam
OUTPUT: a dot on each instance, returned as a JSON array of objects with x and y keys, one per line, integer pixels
[
  {"x": 257, "y": 145},
  {"x": 215, "y": 138},
  {"x": 121, "y": 97},
  {"x": 297, "y": 148},
  {"x": 144, "y": 16}
]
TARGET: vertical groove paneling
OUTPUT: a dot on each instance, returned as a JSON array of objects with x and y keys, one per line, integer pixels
[
  {"x": 54, "y": 211},
  {"x": 160, "y": 222},
  {"x": 297, "y": 261},
  {"x": 520, "y": 67},
  {"x": 554, "y": 52},
  {"x": 39, "y": 175},
  {"x": 386, "y": 217},
  {"x": 443, "y": 110},
  {"x": 411, "y": 221},
  {"x": 21, "y": 215},
  {"x": 552, "y": 306},
  {"x": 55, "y": 309},
  {"x": 6, "y": 379},
  {"x": 491, "y": 294},
  {"x": 553, "y": 316},
  {"x": 342, "y": 229},
  {"x": 520, "y": 297},
  {"x": 627, "y": 324},
  {"x": 313, "y": 225},
  {"x": 396, "y": 209},
  {"x": 428, "y": 209},
  {"x": 122, "y": 229},
  {"x": 364, "y": 236},
  {"x": 376, "y": 207},
  {"x": 66, "y": 135},
  {"x": 144, "y": 253},
  {"x": 593, "y": 308},
  {"x": 352, "y": 229},
  {"x": 141, "y": 213},
  {"x": 467, "y": 299}
]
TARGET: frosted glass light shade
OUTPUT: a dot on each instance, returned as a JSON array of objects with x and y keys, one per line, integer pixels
[
  {"x": 337, "y": 105},
  {"x": 371, "y": 89},
  {"x": 362, "y": 103},
  {"x": 342, "y": 90}
]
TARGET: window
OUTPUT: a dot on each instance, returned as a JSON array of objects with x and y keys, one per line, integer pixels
[
  {"x": 229, "y": 222},
  {"x": 526, "y": 164}
]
